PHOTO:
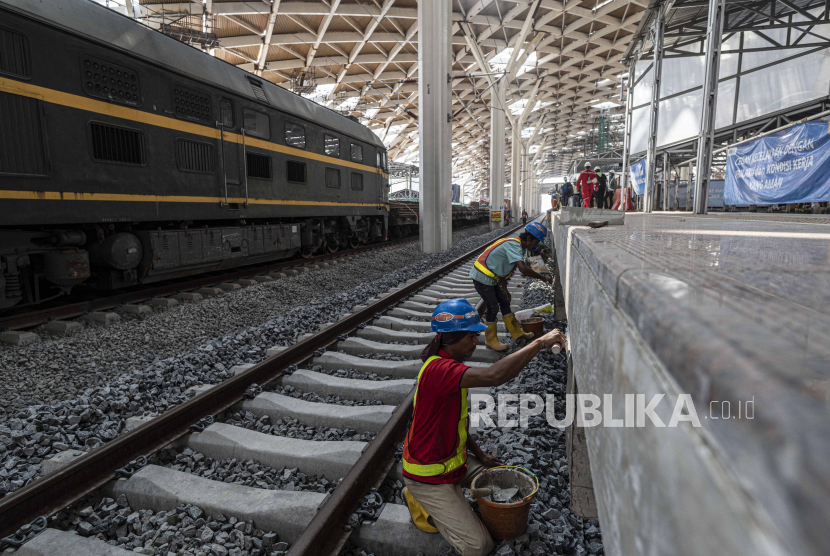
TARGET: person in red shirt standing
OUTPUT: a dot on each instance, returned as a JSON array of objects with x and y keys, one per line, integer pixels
[
  {"x": 439, "y": 457},
  {"x": 587, "y": 182}
]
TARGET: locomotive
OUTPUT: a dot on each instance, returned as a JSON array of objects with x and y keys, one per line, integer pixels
[{"x": 127, "y": 157}]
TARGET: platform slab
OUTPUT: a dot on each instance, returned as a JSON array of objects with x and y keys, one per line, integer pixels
[{"x": 723, "y": 308}]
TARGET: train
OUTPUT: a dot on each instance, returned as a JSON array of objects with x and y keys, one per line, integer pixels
[{"x": 128, "y": 157}]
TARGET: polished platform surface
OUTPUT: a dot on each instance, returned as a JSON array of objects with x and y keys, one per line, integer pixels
[{"x": 725, "y": 308}]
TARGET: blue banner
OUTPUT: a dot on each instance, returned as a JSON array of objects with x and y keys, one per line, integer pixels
[
  {"x": 791, "y": 166},
  {"x": 638, "y": 176}
]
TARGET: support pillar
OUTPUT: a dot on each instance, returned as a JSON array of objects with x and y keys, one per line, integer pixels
[
  {"x": 435, "y": 125},
  {"x": 516, "y": 173},
  {"x": 626, "y": 161},
  {"x": 666, "y": 177},
  {"x": 528, "y": 193},
  {"x": 706, "y": 137},
  {"x": 657, "y": 69},
  {"x": 497, "y": 146}
]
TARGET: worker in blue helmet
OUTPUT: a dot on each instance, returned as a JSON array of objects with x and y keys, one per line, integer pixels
[
  {"x": 439, "y": 457},
  {"x": 490, "y": 273}
]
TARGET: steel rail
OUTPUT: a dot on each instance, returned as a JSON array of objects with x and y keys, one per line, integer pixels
[
  {"x": 70, "y": 310},
  {"x": 61, "y": 488}
]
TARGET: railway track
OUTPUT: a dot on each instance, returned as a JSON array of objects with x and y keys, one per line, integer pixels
[
  {"x": 382, "y": 342},
  {"x": 22, "y": 319}
]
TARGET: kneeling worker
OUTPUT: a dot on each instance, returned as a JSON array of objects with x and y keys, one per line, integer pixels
[
  {"x": 436, "y": 463},
  {"x": 490, "y": 273}
]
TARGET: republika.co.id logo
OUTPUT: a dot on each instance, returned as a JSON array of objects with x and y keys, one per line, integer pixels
[{"x": 513, "y": 410}]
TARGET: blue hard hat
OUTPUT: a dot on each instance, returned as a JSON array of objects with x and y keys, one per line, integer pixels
[
  {"x": 537, "y": 230},
  {"x": 456, "y": 315}
]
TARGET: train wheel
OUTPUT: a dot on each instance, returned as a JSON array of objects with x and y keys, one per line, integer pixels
[
  {"x": 354, "y": 241},
  {"x": 306, "y": 252}
]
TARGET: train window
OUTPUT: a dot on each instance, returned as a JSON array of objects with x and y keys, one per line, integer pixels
[
  {"x": 117, "y": 144},
  {"x": 110, "y": 81},
  {"x": 332, "y": 145},
  {"x": 295, "y": 171},
  {"x": 357, "y": 153},
  {"x": 191, "y": 105},
  {"x": 259, "y": 166},
  {"x": 14, "y": 54},
  {"x": 256, "y": 124},
  {"x": 259, "y": 92},
  {"x": 226, "y": 113},
  {"x": 195, "y": 156},
  {"x": 357, "y": 181},
  {"x": 294, "y": 135},
  {"x": 385, "y": 162},
  {"x": 332, "y": 177},
  {"x": 379, "y": 160}
]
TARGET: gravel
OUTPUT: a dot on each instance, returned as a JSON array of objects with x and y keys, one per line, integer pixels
[
  {"x": 351, "y": 373},
  {"x": 248, "y": 473},
  {"x": 91, "y": 383},
  {"x": 552, "y": 528},
  {"x": 184, "y": 530}
]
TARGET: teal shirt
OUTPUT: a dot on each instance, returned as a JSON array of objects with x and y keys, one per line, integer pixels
[{"x": 501, "y": 261}]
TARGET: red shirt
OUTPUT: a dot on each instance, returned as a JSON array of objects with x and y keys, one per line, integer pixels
[
  {"x": 434, "y": 434},
  {"x": 587, "y": 182}
]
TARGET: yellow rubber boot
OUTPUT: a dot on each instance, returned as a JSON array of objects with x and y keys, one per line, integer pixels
[
  {"x": 491, "y": 338},
  {"x": 515, "y": 328},
  {"x": 419, "y": 515}
]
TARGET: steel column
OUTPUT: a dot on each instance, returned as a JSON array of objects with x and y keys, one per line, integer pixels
[
  {"x": 657, "y": 70},
  {"x": 666, "y": 176},
  {"x": 516, "y": 173},
  {"x": 497, "y": 147},
  {"x": 706, "y": 137},
  {"x": 626, "y": 159},
  {"x": 435, "y": 124}
]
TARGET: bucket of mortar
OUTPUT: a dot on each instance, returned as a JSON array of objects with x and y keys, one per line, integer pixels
[
  {"x": 535, "y": 325},
  {"x": 506, "y": 521}
]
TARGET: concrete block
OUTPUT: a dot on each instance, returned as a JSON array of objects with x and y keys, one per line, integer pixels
[
  {"x": 360, "y": 418},
  {"x": 162, "y": 302},
  {"x": 61, "y": 459},
  {"x": 404, "y": 313},
  {"x": 263, "y": 278},
  {"x": 333, "y": 360},
  {"x": 394, "y": 534},
  {"x": 51, "y": 542},
  {"x": 236, "y": 369},
  {"x": 272, "y": 351},
  {"x": 136, "y": 421},
  {"x": 329, "y": 459},
  {"x": 357, "y": 308},
  {"x": 157, "y": 488},
  {"x": 133, "y": 310},
  {"x": 278, "y": 275},
  {"x": 360, "y": 346},
  {"x": 18, "y": 337},
  {"x": 292, "y": 272},
  {"x": 188, "y": 296},
  {"x": 395, "y": 323},
  {"x": 389, "y": 392},
  {"x": 245, "y": 282},
  {"x": 64, "y": 327},
  {"x": 229, "y": 286},
  {"x": 302, "y": 269},
  {"x": 209, "y": 292},
  {"x": 99, "y": 317}
]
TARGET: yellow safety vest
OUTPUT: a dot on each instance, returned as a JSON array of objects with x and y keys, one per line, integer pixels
[
  {"x": 457, "y": 457},
  {"x": 481, "y": 261}
]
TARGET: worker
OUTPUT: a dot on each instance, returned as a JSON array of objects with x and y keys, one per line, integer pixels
[
  {"x": 612, "y": 187},
  {"x": 587, "y": 183},
  {"x": 567, "y": 192},
  {"x": 439, "y": 456},
  {"x": 524, "y": 217},
  {"x": 490, "y": 273},
  {"x": 599, "y": 191}
]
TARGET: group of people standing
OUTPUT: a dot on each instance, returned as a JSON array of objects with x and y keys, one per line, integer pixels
[{"x": 592, "y": 189}]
